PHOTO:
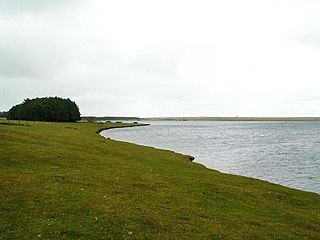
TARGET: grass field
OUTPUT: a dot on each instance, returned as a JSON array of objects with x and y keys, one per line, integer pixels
[{"x": 64, "y": 181}]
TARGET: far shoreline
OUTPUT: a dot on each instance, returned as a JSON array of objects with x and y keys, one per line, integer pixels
[{"x": 242, "y": 119}]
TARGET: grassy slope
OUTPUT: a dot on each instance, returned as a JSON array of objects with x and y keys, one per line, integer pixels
[{"x": 64, "y": 180}]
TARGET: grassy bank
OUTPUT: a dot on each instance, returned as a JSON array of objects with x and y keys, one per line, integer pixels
[{"x": 65, "y": 181}]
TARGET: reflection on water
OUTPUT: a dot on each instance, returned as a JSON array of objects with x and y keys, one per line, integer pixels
[{"x": 287, "y": 153}]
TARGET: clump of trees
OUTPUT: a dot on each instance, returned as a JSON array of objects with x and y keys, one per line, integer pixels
[
  {"x": 3, "y": 114},
  {"x": 52, "y": 109}
]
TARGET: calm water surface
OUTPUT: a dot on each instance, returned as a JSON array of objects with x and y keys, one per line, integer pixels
[{"x": 286, "y": 153}]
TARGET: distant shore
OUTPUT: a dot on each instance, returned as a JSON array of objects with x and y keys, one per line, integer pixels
[{"x": 282, "y": 119}]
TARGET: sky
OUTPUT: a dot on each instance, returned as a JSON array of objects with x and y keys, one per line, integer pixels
[{"x": 150, "y": 58}]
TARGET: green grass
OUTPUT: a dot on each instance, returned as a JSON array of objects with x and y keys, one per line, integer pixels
[{"x": 65, "y": 181}]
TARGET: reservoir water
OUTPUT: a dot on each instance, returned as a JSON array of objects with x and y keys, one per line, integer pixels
[{"x": 287, "y": 153}]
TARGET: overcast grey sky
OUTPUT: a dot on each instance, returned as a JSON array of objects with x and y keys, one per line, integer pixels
[{"x": 164, "y": 58}]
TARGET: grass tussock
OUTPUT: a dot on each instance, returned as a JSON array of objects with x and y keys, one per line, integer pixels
[{"x": 62, "y": 180}]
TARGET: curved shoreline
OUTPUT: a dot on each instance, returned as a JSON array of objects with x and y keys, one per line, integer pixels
[
  {"x": 191, "y": 158},
  {"x": 108, "y": 128}
]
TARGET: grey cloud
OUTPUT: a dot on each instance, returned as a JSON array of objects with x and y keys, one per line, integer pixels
[
  {"x": 311, "y": 39},
  {"x": 308, "y": 34},
  {"x": 23, "y": 60},
  {"x": 110, "y": 67},
  {"x": 11, "y": 6},
  {"x": 155, "y": 63}
]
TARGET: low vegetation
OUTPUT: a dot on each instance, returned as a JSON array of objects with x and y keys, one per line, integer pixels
[
  {"x": 3, "y": 114},
  {"x": 62, "y": 180}
]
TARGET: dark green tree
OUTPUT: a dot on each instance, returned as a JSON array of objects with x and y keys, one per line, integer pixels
[
  {"x": 3, "y": 114},
  {"x": 53, "y": 109}
]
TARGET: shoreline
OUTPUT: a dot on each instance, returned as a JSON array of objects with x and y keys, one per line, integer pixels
[
  {"x": 136, "y": 125},
  {"x": 192, "y": 159}
]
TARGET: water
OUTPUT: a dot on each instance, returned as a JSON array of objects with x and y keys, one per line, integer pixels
[{"x": 287, "y": 153}]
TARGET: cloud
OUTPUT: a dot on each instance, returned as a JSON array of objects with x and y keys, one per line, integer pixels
[
  {"x": 149, "y": 58},
  {"x": 309, "y": 34},
  {"x": 33, "y": 6}
]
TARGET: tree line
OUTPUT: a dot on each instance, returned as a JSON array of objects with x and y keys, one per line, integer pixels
[
  {"x": 3, "y": 114},
  {"x": 52, "y": 109}
]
